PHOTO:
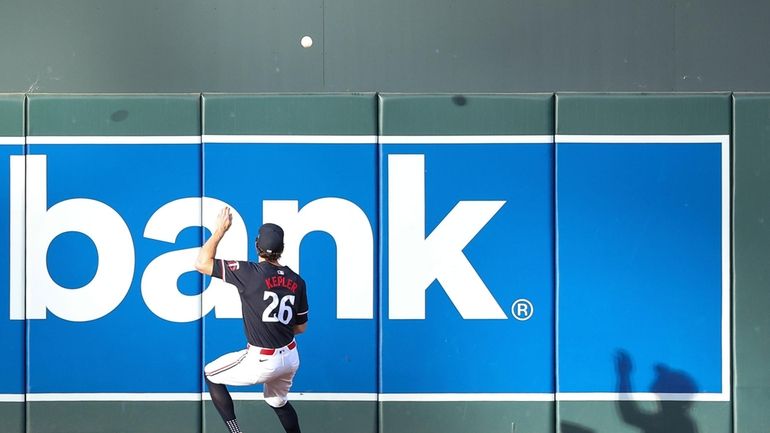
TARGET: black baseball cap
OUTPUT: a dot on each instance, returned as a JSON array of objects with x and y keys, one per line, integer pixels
[{"x": 270, "y": 239}]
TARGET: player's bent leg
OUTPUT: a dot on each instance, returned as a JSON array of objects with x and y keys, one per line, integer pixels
[
  {"x": 223, "y": 402},
  {"x": 288, "y": 417},
  {"x": 276, "y": 394},
  {"x": 229, "y": 369}
]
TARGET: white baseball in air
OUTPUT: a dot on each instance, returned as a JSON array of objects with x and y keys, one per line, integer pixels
[{"x": 306, "y": 42}]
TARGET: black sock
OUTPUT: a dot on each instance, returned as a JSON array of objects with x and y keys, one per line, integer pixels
[
  {"x": 232, "y": 425},
  {"x": 288, "y": 417},
  {"x": 224, "y": 404}
]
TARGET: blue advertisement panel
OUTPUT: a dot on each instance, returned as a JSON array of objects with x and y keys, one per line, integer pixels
[
  {"x": 12, "y": 259},
  {"x": 643, "y": 265},
  {"x": 113, "y": 300},
  {"x": 322, "y": 191},
  {"x": 467, "y": 265}
]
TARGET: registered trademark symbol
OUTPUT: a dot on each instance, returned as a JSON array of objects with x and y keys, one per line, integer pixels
[{"x": 522, "y": 309}]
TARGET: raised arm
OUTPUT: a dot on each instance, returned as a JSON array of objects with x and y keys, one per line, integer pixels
[{"x": 205, "y": 261}]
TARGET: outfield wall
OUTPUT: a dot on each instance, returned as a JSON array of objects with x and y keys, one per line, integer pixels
[{"x": 478, "y": 263}]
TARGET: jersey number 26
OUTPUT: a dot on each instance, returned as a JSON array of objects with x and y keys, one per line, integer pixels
[{"x": 284, "y": 313}]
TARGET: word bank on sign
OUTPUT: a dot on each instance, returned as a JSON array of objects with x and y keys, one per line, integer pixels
[{"x": 415, "y": 258}]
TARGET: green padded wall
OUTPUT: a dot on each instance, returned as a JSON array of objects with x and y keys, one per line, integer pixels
[
  {"x": 447, "y": 130},
  {"x": 526, "y": 114},
  {"x": 277, "y": 114},
  {"x": 427, "y": 115},
  {"x": 273, "y": 146},
  {"x": 751, "y": 207},
  {"x": 104, "y": 169},
  {"x": 641, "y": 114},
  {"x": 11, "y": 115},
  {"x": 114, "y": 115},
  {"x": 12, "y": 332}
]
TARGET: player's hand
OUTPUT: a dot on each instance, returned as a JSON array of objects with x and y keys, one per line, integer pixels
[
  {"x": 224, "y": 220},
  {"x": 623, "y": 362}
]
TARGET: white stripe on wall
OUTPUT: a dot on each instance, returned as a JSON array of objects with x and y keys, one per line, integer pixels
[
  {"x": 291, "y": 139},
  {"x": 11, "y": 398},
  {"x": 467, "y": 397},
  {"x": 11, "y": 141},
  {"x": 639, "y": 396},
  {"x": 157, "y": 139},
  {"x": 17, "y": 238},
  {"x": 726, "y": 267},
  {"x": 466, "y": 139},
  {"x": 247, "y": 396},
  {"x": 642, "y": 139},
  {"x": 415, "y": 397},
  {"x": 301, "y": 396},
  {"x": 194, "y": 396}
]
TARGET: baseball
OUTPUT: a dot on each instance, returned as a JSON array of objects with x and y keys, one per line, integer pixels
[{"x": 306, "y": 41}]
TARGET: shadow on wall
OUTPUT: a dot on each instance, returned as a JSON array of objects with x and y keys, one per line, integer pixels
[
  {"x": 568, "y": 427},
  {"x": 670, "y": 416}
]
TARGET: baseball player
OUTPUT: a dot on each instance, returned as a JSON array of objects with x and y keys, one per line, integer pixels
[{"x": 274, "y": 303}]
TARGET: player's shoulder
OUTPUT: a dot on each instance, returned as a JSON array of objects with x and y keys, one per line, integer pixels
[
  {"x": 239, "y": 265},
  {"x": 290, "y": 271},
  {"x": 260, "y": 267},
  {"x": 297, "y": 277}
]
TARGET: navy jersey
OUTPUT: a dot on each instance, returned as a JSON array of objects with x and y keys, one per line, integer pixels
[{"x": 273, "y": 299}]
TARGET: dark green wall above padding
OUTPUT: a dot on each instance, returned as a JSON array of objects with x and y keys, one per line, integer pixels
[
  {"x": 388, "y": 46},
  {"x": 751, "y": 250}
]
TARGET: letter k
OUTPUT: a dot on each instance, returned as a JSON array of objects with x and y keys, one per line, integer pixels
[{"x": 415, "y": 260}]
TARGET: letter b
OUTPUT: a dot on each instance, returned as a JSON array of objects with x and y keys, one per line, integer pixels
[{"x": 107, "y": 230}]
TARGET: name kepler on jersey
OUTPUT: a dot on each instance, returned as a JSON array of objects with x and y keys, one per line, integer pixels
[
  {"x": 415, "y": 260},
  {"x": 278, "y": 281}
]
